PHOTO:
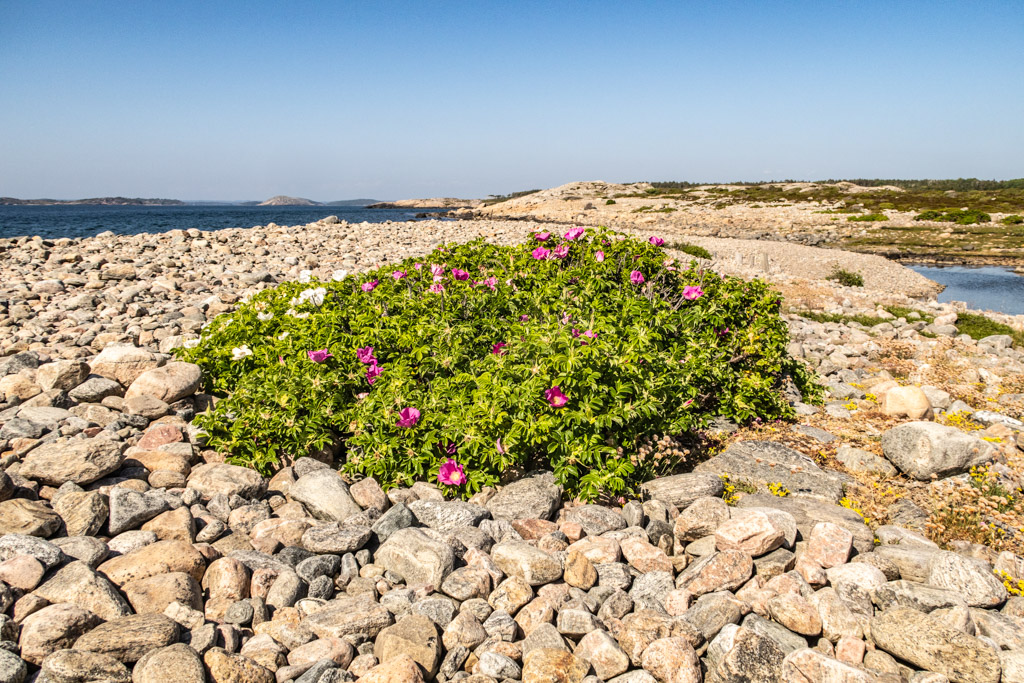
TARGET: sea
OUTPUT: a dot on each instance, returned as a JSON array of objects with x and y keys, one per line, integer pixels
[
  {"x": 82, "y": 220},
  {"x": 986, "y": 288}
]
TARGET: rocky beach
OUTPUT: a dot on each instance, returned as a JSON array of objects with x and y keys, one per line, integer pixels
[{"x": 878, "y": 538}]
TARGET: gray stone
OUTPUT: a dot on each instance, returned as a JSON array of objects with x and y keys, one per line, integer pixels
[
  {"x": 416, "y": 556},
  {"x": 595, "y": 519},
  {"x": 129, "y": 509},
  {"x": 12, "y": 668},
  {"x": 347, "y": 616},
  {"x": 447, "y": 515},
  {"x": 81, "y": 461},
  {"x": 48, "y": 554},
  {"x": 519, "y": 558},
  {"x": 861, "y": 461},
  {"x": 760, "y": 463},
  {"x": 332, "y": 538},
  {"x": 74, "y": 666},
  {"x": 972, "y": 579},
  {"x": 535, "y": 497},
  {"x": 325, "y": 495},
  {"x": 923, "y": 449},
  {"x": 398, "y": 516},
  {"x": 682, "y": 490}
]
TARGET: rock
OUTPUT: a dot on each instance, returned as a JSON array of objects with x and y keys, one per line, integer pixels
[
  {"x": 55, "y": 627},
  {"x": 763, "y": 462},
  {"x": 128, "y": 638},
  {"x": 446, "y": 515},
  {"x": 795, "y": 613},
  {"x": 63, "y": 375},
  {"x": 81, "y": 461},
  {"x": 178, "y": 658},
  {"x": 536, "y": 497},
  {"x": 229, "y": 668},
  {"x": 416, "y": 556},
  {"x": 971, "y": 579},
  {"x": 400, "y": 669},
  {"x": 415, "y": 636},
  {"x": 579, "y": 571},
  {"x": 77, "y": 583},
  {"x": 229, "y": 480},
  {"x": 746, "y": 656},
  {"x": 23, "y": 572},
  {"x": 337, "y": 650},
  {"x": 923, "y": 449},
  {"x": 928, "y": 644},
  {"x": 48, "y": 554},
  {"x": 123, "y": 363},
  {"x": 725, "y": 570},
  {"x": 169, "y": 383},
  {"x": 861, "y": 461},
  {"x": 29, "y": 517},
  {"x": 74, "y": 666},
  {"x": 595, "y": 519},
  {"x": 129, "y": 510},
  {"x": 332, "y": 538},
  {"x": 603, "y": 653},
  {"x": 498, "y": 666},
  {"x": 910, "y": 402},
  {"x": 83, "y": 512},
  {"x": 551, "y": 665},
  {"x": 752, "y": 533},
  {"x": 518, "y": 558},
  {"x": 830, "y": 545},
  {"x": 161, "y": 557},
  {"x": 683, "y": 489},
  {"x": 809, "y": 666},
  {"x": 95, "y": 389},
  {"x": 701, "y": 518},
  {"x": 347, "y": 616},
  {"x": 153, "y": 594},
  {"x": 467, "y": 583},
  {"x": 672, "y": 660},
  {"x": 325, "y": 495},
  {"x": 12, "y": 668}
]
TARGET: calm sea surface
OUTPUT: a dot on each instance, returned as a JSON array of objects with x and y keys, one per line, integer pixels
[
  {"x": 51, "y": 222},
  {"x": 986, "y": 288}
]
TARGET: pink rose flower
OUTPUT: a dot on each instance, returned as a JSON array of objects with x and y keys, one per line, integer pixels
[
  {"x": 561, "y": 251},
  {"x": 499, "y": 349},
  {"x": 436, "y": 288},
  {"x": 451, "y": 473},
  {"x": 365, "y": 355},
  {"x": 398, "y": 274},
  {"x": 575, "y": 233},
  {"x": 692, "y": 292},
  {"x": 319, "y": 356},
  {"x": 540, "y": 253},
  {"x": 555, "y": 397},
  {"x": 656, "y": 241},
  {"x": 543, "y": 236},
  {"x": 636, "y": 277},
  {"x": 436, "y": 270},
  {"x": 372, "y": 373},
  {"x": 369, "y": 286},
  {"x": 599, "y": 256},
  {"x": 459, "y": 274},
  {"x": 407, "y": 417},
  {"x": 589, "y": 334},
  {"x": 418, "y": 266}
]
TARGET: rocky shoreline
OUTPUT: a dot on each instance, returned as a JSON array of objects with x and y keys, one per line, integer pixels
[{"x": 795, "y": 552}]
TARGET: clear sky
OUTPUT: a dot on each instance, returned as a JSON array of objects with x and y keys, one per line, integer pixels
[{"x": 336, "y": 100}]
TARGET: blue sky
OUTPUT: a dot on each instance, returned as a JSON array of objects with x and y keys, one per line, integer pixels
[{"x": 335, "y": 100}]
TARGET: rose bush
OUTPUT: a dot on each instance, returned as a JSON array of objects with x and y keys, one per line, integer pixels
[{"x": 483, "y": 360}]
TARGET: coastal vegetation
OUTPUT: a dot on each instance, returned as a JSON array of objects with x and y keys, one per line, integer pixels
[
  {"x": 566, "y": 353},
  {"x": 498, "y": 198},
  {"x": 845, "y": 277}
]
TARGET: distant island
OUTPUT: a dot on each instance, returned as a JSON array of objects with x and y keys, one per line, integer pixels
[
  {"x": 95, "y": 201},
  {"x": 433, "y": 203},
  {"x": 283, "y": 200}
]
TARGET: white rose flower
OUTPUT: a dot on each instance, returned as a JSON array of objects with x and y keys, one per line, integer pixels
[
  {"x": 240, "y": 352},
  {"x": 265, "y": 316},
  {"x": 191, "y": 343},
  {"x": 305, "y": 275},
  {"x": 339, "y": 275}
]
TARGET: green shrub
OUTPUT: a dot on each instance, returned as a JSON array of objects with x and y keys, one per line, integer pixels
[
  {"x": 691, "y": 249},
  {"x": 609, "y": 202},
  {"x": 958, "y": 216},
  {"x": 482, "y": 362},
  {"x": 1012, "y": 220},
  {"x": 845, "y": 277},
  {"x": 886, "y": 205},
  {"x": 868, "y": 218}
]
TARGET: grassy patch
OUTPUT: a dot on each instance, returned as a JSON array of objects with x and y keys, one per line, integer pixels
[
  {"x": 868, "y": 218},
  {"x": 1013, "y": 219},
  {"x": 845, "y": 277},
  {"x": 498, "y": 198},
  {"x": 609, "y": 202},
  {"x": 978, "y": 326}
]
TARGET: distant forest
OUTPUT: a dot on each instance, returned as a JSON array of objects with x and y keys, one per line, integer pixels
[{"x": 957, "y": 185}]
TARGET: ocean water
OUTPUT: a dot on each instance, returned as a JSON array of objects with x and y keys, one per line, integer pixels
[
  {"x": 986, "y": 288},
  {"x": 52, "y": 222}
]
